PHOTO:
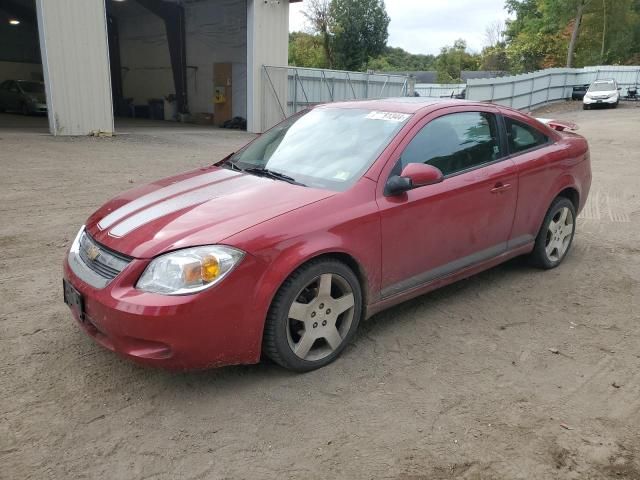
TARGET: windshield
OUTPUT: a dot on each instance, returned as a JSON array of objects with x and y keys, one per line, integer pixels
[
  {"x": 32, "y": 87},
  {"x": 602, "y": 87},
  {"x": 325, "y": 147}
]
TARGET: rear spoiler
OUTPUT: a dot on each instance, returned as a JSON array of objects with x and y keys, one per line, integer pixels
[{"x": 559, "y": 125}]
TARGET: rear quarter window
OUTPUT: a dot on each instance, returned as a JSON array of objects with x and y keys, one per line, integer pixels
[{"x": 522, "y": 137}]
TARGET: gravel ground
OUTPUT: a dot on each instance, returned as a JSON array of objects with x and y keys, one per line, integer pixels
[{"x": 460, "y": 383}]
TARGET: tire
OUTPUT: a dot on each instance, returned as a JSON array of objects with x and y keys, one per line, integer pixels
[
  {"x": 555, "y": 237},
  {"x": 303, "y": 320},
  {"x": 585, "y": 106},
  {"x": 25, "y": 109}
]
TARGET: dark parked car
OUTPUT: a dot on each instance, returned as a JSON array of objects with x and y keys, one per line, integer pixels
[
  {"x": 25, "y": 96},
  {"x": 579, "y": 91},
  {"x": 462, "y": 95}
]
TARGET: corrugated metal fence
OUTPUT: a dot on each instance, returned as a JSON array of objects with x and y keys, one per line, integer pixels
[
  {"x": 311, "y": 86},
  {"x": 287, "y": 90},
  {"x": 439, "y": 89},
  {"x": 531, "y": 90}
]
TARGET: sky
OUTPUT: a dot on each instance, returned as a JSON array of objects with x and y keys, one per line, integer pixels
[{"x": 425, "y": 26}]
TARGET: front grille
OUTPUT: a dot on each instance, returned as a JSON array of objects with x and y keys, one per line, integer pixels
[{"x": 106, "y": 263}]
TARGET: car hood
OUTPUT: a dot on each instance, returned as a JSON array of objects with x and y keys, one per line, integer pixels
[
  {"x": 602, "y": 93},
  {"x": 197, "y": 208}
]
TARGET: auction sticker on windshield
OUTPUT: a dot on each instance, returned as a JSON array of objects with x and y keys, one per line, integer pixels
[{"x": 388, "y": 116}]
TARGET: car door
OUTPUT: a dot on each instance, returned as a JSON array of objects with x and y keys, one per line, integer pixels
[
  {"x": 433, "y": 231},
  {"x": 13, "y": 96},
  {"x": 4, "y": 94}
]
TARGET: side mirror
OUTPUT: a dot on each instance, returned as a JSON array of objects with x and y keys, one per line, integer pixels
[{"x": 413, "y": 176}]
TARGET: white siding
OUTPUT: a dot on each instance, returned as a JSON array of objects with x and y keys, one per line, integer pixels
[
  {"x": 75, "y": 57},
  {"x": 267, "y": 44}
]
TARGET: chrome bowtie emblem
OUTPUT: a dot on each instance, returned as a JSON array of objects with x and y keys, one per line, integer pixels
[{"x": 93, "y": 252}]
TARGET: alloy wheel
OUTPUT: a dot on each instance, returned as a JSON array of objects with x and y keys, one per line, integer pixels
[
  {"x": 320, "y": 317},
  {"x": 559, "y": 234}
]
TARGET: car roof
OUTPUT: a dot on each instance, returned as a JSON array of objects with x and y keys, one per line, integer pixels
[
  {"x": 608, "y": 80},
  {"x": 401, "y": 104}
]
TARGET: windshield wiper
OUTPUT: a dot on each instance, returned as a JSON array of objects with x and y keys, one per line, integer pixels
[{"x": 265, "y": 172}]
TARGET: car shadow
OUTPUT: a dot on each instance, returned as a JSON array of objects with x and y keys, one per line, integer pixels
[{"x": 266, "y": 376}]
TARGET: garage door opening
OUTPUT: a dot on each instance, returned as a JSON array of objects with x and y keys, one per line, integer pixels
[
  {"x": 183, "y": 62},
  {"x": 189, "y": 61},
  {"x": 23, "y": 102}
]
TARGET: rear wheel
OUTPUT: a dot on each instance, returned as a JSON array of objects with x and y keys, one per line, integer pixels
[
  {"x": 556, "y": 235},
  {"x": 313, "y": 316}
]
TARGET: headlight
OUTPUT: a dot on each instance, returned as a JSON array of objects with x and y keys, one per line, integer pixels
[{"x": 190, "y": 270}]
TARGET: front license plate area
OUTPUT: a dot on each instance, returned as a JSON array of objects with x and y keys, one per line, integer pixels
[{"x": 73, "y": 298}]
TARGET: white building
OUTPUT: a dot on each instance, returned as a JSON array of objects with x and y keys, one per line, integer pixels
[{"x": 98, "y": 56}]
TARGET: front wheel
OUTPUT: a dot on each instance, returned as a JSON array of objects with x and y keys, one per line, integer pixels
[
  {"x": 313, "y": 316},
  {"x": 585, "y": 106},
  {"x": 556, "y": 235}
]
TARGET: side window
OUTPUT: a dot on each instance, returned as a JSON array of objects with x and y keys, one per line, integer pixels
[
  {"x": 5, "y": 85},
  {"x": 522, "y": 137},
  {"x": 454, "y": 143},
  {"x": 13, "y": 87}
]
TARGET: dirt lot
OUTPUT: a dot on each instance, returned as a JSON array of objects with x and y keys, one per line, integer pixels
[{"x": 460, "y": 383}]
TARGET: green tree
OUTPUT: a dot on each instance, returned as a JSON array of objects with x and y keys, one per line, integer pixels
[
  {"x": 608, "y": 30},
  {"x": 494, "y": 54},
  {"x": 319, "y": 15},
  {"x": 495, "y": 58},
  {"x": 534, "y": 38},
  {"x": 399, "y": 60},
  {"x": 553, "y": 33},
  {"x": 359, "y": 32},
  {"x": 453, "y": 59},
  {"x": 307, "y": 50}
]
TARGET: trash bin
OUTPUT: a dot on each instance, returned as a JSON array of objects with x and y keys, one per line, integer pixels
[{"x": 156, "y": 108}]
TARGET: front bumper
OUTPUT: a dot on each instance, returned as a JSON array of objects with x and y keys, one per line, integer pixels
[
  {"x": 219, "y": 326},
  {"x": 595, "y": 101}
]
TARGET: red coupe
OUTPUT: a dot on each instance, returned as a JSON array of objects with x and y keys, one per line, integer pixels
[{"x": 335, "y": 214}]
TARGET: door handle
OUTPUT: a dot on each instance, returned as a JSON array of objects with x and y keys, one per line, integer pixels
[{"x": 500, "y": 187}]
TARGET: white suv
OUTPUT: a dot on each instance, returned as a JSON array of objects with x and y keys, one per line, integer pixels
[{"x": 603, "y": 92}]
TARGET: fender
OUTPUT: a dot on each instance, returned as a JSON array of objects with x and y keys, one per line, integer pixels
[
  {"x": 305, "y": 250},
  {"x": 567, "y": 180}
]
